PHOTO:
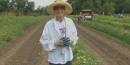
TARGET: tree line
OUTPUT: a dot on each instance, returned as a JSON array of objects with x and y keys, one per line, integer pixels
[
  {"x": 100, "y": 6},
  {"x": 25, "y": 7},
  {"x": 20, "y": 7}
]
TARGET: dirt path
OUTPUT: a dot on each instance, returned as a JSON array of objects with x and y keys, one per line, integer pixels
[
  {"x": 102, "y": 48},
  {"x": 26, "y": 49}
]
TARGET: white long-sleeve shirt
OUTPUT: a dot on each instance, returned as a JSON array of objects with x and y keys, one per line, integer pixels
[{"x": 51, "y": 32}]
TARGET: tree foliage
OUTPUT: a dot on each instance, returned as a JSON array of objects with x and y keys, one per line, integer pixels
[
  {"x": 99, "y": 6},
  {"x": 20, "y": 7},
  {"x": 25, "y": 7},
  {"x": 108, "y": 8}
]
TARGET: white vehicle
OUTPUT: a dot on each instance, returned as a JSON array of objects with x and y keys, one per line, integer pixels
[
  {"x": 87, "y": 18},
  {"x": 87, "y": 14}
]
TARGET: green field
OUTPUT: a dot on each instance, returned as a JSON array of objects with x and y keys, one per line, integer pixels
[
  {"x": 12, "y": 26},
  {"x": 118, "y": 28}
]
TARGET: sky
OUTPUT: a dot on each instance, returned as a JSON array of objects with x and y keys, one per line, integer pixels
[{"x": 42, "y": 2}]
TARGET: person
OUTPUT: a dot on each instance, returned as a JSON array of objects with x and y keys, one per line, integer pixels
[
  {"x": 59, "y": 34},
  {"x": 122, "y": 15},
  {"x": 115, "y": 15},
  {"x": 119, "y": 15},
  {"x": 80, "y": 18},
  {"x": 92, "y": 15}
]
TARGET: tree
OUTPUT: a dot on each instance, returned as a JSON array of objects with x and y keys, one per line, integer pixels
[
  {"x": 108, "y": 8},
  {"x": 30, "y": 7},
  {"x": 97, "y": 6},
  {"x": 4, "y": 5},
  {"x": 126, "y": 6},
  {"x": 12, "y": 5},
  {"x": 77, "y": 6},
  {"x": 20, "y": 6}
]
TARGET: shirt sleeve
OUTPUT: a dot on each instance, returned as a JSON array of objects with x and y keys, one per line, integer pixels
[
  {"x": 74, "y": 34},
  {"x": 46, "y": 41}
]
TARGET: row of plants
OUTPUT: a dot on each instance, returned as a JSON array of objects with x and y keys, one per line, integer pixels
[
  {"x": 83, "y": 57},
  {"x": 115, "y": 32},
  {"x": 12, "y": 26},
  {"x": 115, "y": 19},
  {"x": 113, "y": 23}
]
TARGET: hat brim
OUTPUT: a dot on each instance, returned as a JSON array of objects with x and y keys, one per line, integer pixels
[{"x": 68, "y": 7}]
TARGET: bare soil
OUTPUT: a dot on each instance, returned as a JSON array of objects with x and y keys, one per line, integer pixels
[
  {"x": 103, "y": 49},
  {"x": 26, "y": 49}
]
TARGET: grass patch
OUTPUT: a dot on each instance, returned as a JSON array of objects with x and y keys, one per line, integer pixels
[{"x": 13, "y": 26}]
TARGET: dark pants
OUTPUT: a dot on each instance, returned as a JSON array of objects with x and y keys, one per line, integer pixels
[{"x": 68, "y": 63}]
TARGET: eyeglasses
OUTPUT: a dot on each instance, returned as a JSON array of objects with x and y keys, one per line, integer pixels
[{"x": 59, "y": 7}]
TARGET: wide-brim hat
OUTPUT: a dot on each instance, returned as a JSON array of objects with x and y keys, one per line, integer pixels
[{"x": 68, "y": 7}]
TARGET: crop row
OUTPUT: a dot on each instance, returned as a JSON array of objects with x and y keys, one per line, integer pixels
[{"x": 12, "y": 26}]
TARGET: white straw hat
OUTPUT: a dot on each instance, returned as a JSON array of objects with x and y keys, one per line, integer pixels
[{"x": 68, "y": 7}]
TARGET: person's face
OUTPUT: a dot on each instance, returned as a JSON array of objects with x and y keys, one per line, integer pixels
[{"x": 59, "y": 10}]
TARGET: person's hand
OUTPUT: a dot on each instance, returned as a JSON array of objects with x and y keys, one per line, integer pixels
[
  {"x": 67, "y": 40},
  {"x": 71, "y": 40},
  {"x": 59, "y": 42}
]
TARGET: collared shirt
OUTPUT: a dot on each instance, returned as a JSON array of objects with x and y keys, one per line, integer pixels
[{"x": 51, "y": 32}]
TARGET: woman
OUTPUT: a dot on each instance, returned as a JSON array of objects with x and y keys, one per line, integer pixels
[{"x": 59, "y": 34}]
